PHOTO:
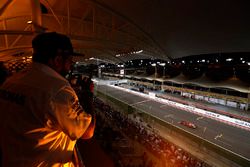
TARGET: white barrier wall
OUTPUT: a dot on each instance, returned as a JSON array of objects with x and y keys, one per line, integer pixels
[
  {"x": 222, "y": 102},
  {"x": 199, "y": 97},
  {"x": 213, "y": 100},
  {"x": 231, "y": 104},
  {"x": 218, "y": 117}
]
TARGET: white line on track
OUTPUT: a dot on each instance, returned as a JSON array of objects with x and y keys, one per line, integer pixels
[
  {"x": 140, "y": 102},
  {"x": 163, "y": 105},
  {"x": 199, "y": 118},
  {"x": 168, "y": 116}
]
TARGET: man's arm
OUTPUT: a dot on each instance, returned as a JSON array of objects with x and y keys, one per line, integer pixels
[
  {"x": 90, "y": 130},
  {"x": 90, "y": 110},
  {"x": 69, "y": 114}
]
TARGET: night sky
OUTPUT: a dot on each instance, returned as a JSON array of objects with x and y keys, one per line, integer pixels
[{"x": 192, "y": 27}]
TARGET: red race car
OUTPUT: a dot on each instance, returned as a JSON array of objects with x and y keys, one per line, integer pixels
[{"x": 188, "y": 124}]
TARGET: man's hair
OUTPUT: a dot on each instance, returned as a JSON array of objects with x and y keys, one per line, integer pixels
[{"x": 46, "y": 46}]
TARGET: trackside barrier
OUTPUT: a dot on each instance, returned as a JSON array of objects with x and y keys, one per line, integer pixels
[{"x": 222, "y": 118}]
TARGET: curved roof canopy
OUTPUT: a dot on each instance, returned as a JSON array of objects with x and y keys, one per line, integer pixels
[{"x": 115, "y": 31}]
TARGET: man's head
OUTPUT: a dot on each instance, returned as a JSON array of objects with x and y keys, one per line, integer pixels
[{"x": 54, "y": 50}]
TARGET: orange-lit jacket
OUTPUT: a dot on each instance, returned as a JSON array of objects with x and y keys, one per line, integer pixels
[{"x": 41, "y": 119}]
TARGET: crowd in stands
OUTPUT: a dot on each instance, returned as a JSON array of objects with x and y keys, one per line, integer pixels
[{"x": 168, "y": 154}]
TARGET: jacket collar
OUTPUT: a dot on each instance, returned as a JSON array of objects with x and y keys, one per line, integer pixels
[{"x": 48, "y": 70}]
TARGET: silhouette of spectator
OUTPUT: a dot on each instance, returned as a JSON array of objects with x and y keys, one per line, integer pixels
[
  {"x": 3, "y": 73},
  {"x": 41, "y": 118}
]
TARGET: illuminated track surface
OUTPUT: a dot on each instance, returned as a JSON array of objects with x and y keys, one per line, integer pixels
[{"x": 229, "y": 137}]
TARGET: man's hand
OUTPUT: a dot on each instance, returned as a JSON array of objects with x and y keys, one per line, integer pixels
[{"x": 91, "y": 129}]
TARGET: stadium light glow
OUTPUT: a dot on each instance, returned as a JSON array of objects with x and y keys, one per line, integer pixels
[
  {"x": 128, "y": 53},
  {"x": 162, "y": 64}
]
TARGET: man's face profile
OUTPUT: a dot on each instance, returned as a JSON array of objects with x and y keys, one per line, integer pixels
[
  {"x": 67, "y": 64},
  {"x": 63, "y": 63}
]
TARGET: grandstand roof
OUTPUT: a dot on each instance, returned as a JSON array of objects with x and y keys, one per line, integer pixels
[{"x": 116, "y": 31}]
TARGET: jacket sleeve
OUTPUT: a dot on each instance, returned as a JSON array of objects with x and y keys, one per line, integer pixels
[{"x": 69, "y": 114}]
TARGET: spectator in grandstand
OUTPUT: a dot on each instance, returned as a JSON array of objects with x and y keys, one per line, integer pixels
[
  {"x": 41, "y": 118},
  {"x": 3, "y": 73}
]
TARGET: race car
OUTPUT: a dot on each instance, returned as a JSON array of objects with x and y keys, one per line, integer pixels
[{"x": 188, "y": 124}]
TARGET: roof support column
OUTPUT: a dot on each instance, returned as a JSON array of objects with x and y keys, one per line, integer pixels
[
  {"x": 5, "y": 36},
  {"x": 5, "y": 6},
  {"x": 36, "y": 15}
]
